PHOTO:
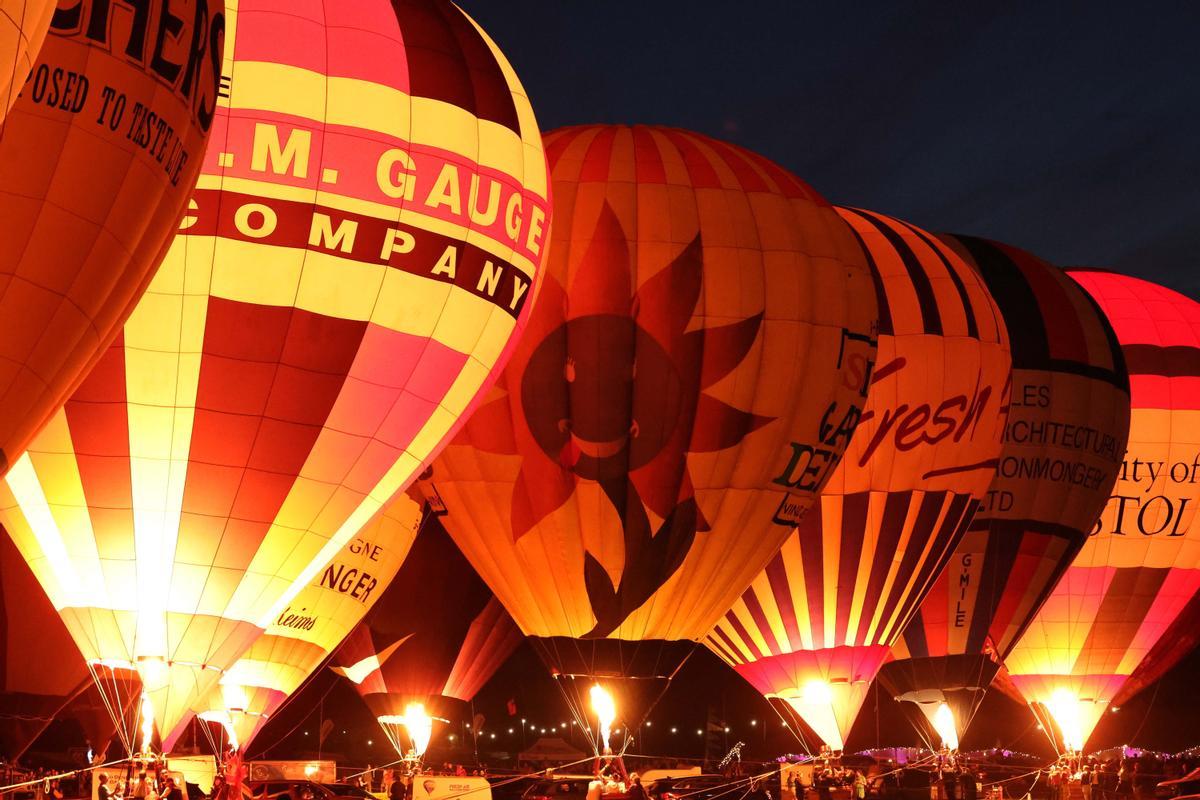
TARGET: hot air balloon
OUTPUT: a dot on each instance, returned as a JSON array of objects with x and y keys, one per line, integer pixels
[
  {"x": 813, "y": 629},
  {"x": 97, "y": 159},
  {"x": 692, "y": 372},
  {"x": 23, "y": 25},
  {"x": 429, "y": 645},
  {"x": 1068, "y": 420},
  {"x": 312, "y": 626},
  {"x": 41, "y": 669},
  {"x": 1141, "y": 564},
  {"x": 359, "y": 251}
]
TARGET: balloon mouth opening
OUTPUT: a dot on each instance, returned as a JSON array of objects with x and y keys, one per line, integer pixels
[
  {"x": 605, "y": 709},
  {"x": 1072, "y": 717},
  {"x": 418, "y": 724},
  {"x": 943, "y": 723},
  {"x": 225, "y": 720},
  {"x": 817, "y": 704}
]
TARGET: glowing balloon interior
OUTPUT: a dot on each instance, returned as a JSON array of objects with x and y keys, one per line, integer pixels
[
  {"x": 1140, "y": 566},
  {"x": 817, "y": 623},
  {"x": 1067, "y": 422},
  {"x": 359, "y": 251}
]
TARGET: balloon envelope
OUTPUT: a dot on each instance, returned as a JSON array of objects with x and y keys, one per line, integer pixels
[
  {"x": 815, "y": 626},
  {"x": 1067, "y": 423},
  {"x": 97, "y": 159},
  {"x": 358, "y": 253},
  {"x": 1141, "y": 564},
  {"x": 691, "y": 374}
]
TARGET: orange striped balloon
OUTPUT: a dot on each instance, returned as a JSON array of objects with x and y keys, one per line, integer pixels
[
  {"x": 359, "y": 253},
  {"x": 1067, "y": 422},
  {"x": 815, "y": 626}
]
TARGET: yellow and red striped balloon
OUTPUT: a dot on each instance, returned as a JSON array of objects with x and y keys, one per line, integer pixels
[
  {"x": 815, "y": 626},
  {"x": 360, "y": 251},
  {"x": 436, "y": 636}
]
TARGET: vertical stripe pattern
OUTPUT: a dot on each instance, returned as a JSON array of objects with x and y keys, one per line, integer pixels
[
  {"x": 1066, "y": 429},
  {"x": 312, "y": 626},
  {"x": 919, "y": 463}
]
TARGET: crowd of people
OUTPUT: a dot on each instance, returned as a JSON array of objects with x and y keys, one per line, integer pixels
[
  {"x": 152, "y": 785},
  {"x": 1110, "y": 779}
]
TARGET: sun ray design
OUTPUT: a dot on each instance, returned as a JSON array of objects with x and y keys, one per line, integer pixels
[{"x": 612, "y": 390}]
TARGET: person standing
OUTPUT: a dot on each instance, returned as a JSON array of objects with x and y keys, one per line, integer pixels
[
  {"x": 636, "y": 791},
  {"x": 822, "y": 782},
  {"x": 950, "y": 783},
  {"x": 171, "y": 791},
  {"x": 860, "y": 785},
  {"x": 970, "y": 789},
  {"x": 141, "y": 789},
  {"x": 102, "y": 792}
]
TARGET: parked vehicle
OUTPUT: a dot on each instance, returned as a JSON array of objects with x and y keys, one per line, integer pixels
[
  {"x": 561, "y": 787},
  {"x": 714, "y": 787},
  {"x": 296, "y": 790},
  {"x": 348, "y": 790},
  {"x": 1179, "y": 787}
]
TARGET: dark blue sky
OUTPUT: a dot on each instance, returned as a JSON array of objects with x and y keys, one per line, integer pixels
[{"x": 1070, "y": 129}]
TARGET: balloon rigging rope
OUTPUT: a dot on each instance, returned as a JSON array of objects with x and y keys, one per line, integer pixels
[
  {"x": 1149, "y": 708},
  {"x": 575, "y": 704},
  {"x": 115, "y": 712},
  {"x": 60, "y": 775},
  {"x": 792, "y": 725},
  {"x": 217, "y": 747}
]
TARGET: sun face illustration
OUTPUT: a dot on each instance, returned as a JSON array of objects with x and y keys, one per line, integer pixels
[
  {"x": 592, "y": 429},
  {"x": 609, "y": 387}
]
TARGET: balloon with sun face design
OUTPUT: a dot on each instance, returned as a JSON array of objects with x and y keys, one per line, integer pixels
[{"x": 695, "y": 363}]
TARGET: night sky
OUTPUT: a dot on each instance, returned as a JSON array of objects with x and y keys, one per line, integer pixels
[{"x": 1067, "y": 129}]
